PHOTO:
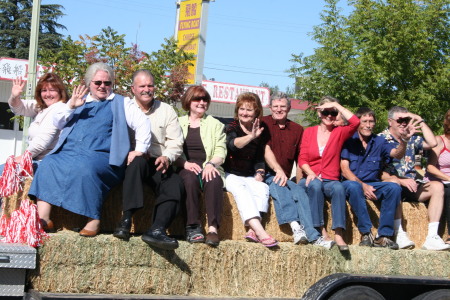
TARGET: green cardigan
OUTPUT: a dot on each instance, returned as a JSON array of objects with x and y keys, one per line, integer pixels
[{"x": 213, "y": 138}]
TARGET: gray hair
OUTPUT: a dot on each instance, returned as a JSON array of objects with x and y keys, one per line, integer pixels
[
  {"x": 279, "y": 96},
  {"x": 142, "y": 71},
  {"x": 327, "y": 99},
  {"x": 94, "y": 68},
  {"x": 396, "y": 109}
]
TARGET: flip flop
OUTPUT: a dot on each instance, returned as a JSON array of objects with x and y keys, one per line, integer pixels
[
  {"x": 269, "y": 242},
  {"x": 251, "y": 237}
]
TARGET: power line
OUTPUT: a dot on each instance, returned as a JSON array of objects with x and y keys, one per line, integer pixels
[
  {"x": 226, "y": 70},
  {"x": 248, "y": 68}
]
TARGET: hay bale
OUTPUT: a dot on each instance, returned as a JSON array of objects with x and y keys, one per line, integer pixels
[
  {"x": 415, "y": 218},
  {"x": 72, "y": 264}
]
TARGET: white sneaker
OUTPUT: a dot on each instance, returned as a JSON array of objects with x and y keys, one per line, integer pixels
[
  {"x": 403, "y": 241},
  {"x": 300, "y": 236},
  {"x": 322, "y": 243},
  {"x": 435, "y": 243}
]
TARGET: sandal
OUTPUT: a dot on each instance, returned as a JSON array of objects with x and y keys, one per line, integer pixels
[
  {"x": 269, "y": 242},
  {"x": 251, "y": 237},
  {"x": 194, "y": 234}
]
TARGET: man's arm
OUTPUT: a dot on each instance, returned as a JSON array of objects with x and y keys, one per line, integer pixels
[
  {"x": 349, "y": 175},
  {"x": 399, "y": 152},
  {"x": 409, "y": 183},
  {"x": 280, "y": 177},
  {"x": 419, "y": 123},
  {"x": 174, "y": 137}
]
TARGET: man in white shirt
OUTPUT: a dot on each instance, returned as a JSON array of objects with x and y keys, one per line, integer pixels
[{"x": 153, "y": 169}]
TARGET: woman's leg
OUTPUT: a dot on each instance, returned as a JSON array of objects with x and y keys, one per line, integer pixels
[
  {"x": 335, "y": 190},
  {"x": 213, "y": 192},
  {"x": 237, "y": 186},
  {"x": 92, "y": 225},
  {"x": 44, "y": 209},
  {"x": 192, "y": 187}
]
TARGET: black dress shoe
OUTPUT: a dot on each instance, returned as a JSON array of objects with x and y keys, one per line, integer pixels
[
  {"x": 159, "y": 239},
  {"x": 123, "y": 230}
]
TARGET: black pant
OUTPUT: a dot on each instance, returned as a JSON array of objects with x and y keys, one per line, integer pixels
[
  {"x": 168, "y": 188},
  {"x": 213, "y": 195}
]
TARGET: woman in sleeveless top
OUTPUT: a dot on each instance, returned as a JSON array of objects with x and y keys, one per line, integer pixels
[{"x": 439, "y": 167}]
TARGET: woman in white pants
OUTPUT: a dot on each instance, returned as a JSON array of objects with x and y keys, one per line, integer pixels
[{"x": 245, "y": 167}]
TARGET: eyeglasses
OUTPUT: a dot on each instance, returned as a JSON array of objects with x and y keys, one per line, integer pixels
[
  {"x": 403, "y": 120},
  {"x": 200, "y": 98},
  {"x": 99, "y": 82},
  {"x": 327, "y": 113}
]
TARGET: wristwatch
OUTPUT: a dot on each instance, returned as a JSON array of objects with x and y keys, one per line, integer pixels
[{"x": 210, "y": 163}]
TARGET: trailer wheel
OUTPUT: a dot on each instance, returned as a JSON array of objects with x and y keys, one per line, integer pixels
[
  {"x": 357, "y": 292},
  {"x": 441, "y": 294}
]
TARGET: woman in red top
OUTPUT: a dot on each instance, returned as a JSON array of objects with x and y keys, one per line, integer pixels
[{"x": 319, "y": 159}]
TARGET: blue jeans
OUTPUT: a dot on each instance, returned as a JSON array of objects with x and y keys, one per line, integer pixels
[
  {"x": 388, "y": 193},
  {"x": 333, "y": 189},
  {"x": 292, "y": 204}
]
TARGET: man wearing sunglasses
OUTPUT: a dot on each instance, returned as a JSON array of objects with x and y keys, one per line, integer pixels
[
  {"x": 154, "y": 169},
  {"x": 361, "y": 162},
  {"x": 290, "y": 200},
  {"x": 402, "y": 171}
]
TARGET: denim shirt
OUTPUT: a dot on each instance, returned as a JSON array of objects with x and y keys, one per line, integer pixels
[{"x": 366, "y": 164}]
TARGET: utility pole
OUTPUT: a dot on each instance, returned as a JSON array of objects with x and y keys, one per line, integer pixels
[{"x": 32, "y": 64}]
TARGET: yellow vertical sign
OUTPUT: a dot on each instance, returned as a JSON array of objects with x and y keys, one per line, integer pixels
[{"x": 189, "y": 31}]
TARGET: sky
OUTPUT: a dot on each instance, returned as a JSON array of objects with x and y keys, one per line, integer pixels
[{"x": 247, "y": 42}]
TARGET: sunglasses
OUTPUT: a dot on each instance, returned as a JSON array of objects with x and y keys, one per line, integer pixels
[
  {"x": 327, "y": 113},
  {"x": 200, "y": 98},
  {"x": 99, "y": 83},
  {"x": 403, "y": 120}
]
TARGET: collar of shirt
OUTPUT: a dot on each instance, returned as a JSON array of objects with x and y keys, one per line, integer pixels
[
  {"x": 89, "y": 98},
  {"x": 150, "y": 110},
  {"x": 275, "y": 122}
]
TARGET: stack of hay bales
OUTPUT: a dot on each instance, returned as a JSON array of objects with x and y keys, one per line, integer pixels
[
  {"x": 415, "y": 218},
  {"x": 69, "y": 263}
]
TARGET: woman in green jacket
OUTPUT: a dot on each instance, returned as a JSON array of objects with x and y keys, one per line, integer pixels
[{"x": 204, "y": 152}]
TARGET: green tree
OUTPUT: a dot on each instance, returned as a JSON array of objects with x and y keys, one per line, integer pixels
[
  {"x": 15, "y": 26},
  {"x": 168, "y": 65},
  {"x": 384, "y": 53}
]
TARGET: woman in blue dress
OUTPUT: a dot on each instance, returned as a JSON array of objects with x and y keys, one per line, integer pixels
[{"x": 89, "y": 159}]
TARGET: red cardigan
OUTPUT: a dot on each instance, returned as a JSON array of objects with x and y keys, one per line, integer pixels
[{"x": 327, "y": 165}]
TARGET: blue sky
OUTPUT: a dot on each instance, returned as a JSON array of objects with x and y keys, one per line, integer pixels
[{"x": 247, "y": 42}]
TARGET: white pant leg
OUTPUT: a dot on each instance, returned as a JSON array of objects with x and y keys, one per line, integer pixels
[
  {"x": 260, "y": 193},
  {"x": 242, "y": 189}
]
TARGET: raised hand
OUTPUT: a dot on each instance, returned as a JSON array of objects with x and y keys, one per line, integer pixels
[
  {"x": 18, "y": 87},
  {"x": 78, "y": 96},
  {"x": 256, "y": 130}
]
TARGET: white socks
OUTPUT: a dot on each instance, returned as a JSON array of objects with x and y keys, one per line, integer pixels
[
  {"x": 433, "y": 229},
  {"x": 295, "y": 225}
]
